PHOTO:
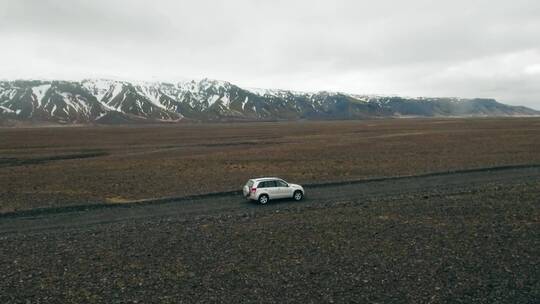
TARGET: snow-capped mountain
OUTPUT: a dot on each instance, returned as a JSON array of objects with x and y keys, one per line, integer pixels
[{"x": 112, "y": 101}]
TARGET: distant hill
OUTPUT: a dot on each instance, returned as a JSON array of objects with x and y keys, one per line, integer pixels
[{"x": 118, "y": 102}]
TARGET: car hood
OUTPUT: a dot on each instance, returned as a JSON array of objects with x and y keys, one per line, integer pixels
[{"x": 295, "y": 186}]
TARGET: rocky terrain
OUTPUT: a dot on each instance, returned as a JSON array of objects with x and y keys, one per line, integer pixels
[
  {"x": 119, "y": 102},
  {"x": 465, "y": 237},
  {"x": 396, "y": 211}
]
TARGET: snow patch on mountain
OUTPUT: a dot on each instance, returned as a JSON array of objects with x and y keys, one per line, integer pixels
[
  {"x": 226, "y": 101},
  {"x": 151, "y": 91},
  {"x": 275, "y": 92},
  {"x": 7, "y": 110},
  {"x": 213, "y": 100},
  {"x": 39, "y": 92},
  {"x": 8, "y": 94},
  {"x": 76, "y": 102},
  {"x": 98, "y": 87}
]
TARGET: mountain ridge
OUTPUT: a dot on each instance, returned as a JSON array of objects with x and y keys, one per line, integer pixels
[{"x": 117, "y": 101}]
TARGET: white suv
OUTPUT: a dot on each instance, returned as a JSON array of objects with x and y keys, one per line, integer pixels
[{"x": 267, "y": 188}]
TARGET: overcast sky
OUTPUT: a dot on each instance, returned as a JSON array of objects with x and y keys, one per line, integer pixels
[{"x": 463, "y": 48}]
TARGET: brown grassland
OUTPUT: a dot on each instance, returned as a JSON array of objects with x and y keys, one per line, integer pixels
[{"x": 46, "y": 167}]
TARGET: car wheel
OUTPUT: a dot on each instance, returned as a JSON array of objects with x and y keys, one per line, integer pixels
[
  {"x": 263, "y": 199},
  {"x": 298, "y": 195}
]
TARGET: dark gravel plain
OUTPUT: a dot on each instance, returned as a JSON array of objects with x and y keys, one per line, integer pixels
[{"x": 474, "y": 238}]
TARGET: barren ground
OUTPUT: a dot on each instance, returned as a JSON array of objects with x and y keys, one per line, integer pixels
[
  {"x": 51, "y": 167},
  {"x": 466, "y": 236}
]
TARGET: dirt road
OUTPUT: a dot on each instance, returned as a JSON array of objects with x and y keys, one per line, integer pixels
[{"x": 443, "y": 183}]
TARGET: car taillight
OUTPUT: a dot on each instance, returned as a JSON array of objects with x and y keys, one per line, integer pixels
[{"x": 253, "y": 189}]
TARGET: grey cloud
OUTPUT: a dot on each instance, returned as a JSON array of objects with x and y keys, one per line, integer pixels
[{"x": 401, "y": 47}]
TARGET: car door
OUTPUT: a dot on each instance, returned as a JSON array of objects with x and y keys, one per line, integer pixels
[
  {"x": 282, "y": 189},
  {"x": 267, "y": 187},
  {"x": 271, "y": 189}
]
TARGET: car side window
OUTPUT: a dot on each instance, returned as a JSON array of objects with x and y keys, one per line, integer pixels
[
  {"x": 281, "y": 183},
  {"x": 262, "y": 185},
  {"x": 270, "y": 184}
]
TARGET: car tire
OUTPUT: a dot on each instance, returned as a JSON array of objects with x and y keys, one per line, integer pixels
[
  {"x": 298, "y": 195},
  {"x": 263, "y": 199}
]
